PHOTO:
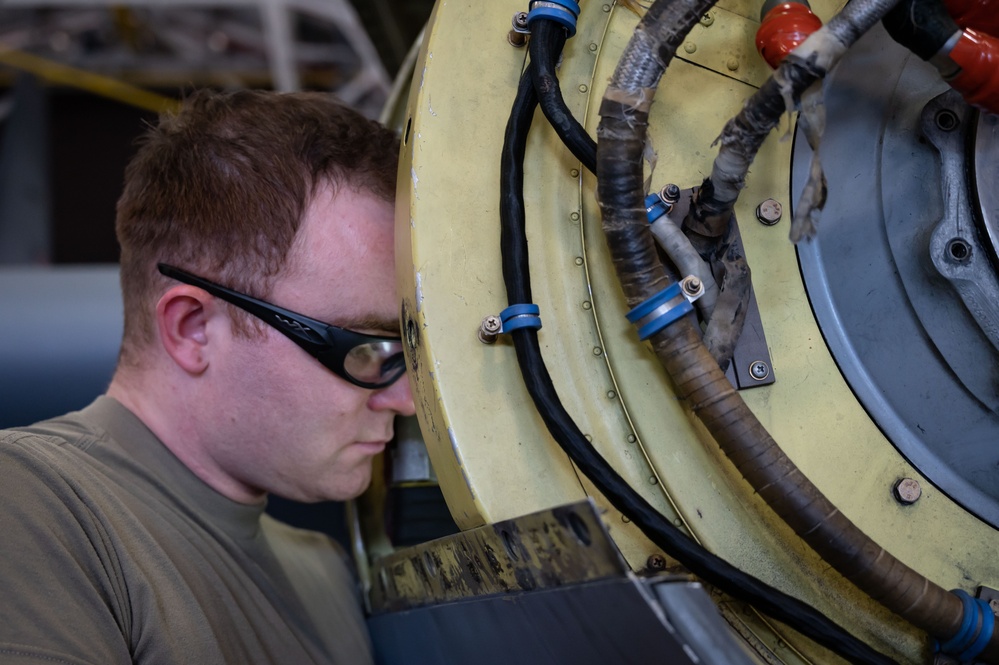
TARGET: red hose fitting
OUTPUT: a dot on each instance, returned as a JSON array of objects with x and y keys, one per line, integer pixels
[
  {"x": 783, "y": 28},
  {"x": 981, "y": 15},
  {"x": 977, "y": 54}
]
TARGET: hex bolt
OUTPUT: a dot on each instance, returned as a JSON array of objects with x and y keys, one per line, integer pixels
[
  {"x": 489, "y": 329},
  {"x": 769, "y": 212},
  {"x": 759, "y": 370},
  {"x": 907, "y": 491},
  {"x": 656, "y": 562}
]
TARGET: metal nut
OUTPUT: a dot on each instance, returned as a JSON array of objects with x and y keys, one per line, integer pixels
[
  {"x": 769, "y": 212},
  {"x": 907, "y": 491},
  {"x": 692, "y": 286},
  {"x": 669, "y": 194}
]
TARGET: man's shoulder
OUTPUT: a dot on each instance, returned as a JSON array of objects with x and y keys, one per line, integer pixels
[
  {"x": 71, "y": 429},
  {"x": 50, "y": 443}
]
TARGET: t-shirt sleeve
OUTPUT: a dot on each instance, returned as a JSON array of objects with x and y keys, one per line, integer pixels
[{"x": 63, "y": 598}]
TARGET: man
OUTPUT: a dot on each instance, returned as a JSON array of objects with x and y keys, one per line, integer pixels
[{"x": 133, "y": 531}]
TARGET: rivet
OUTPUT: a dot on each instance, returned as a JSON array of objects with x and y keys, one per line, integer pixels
[
  {"x": 632, "y": 438},
  {"x": 732, "y": 64},
  {"x": 587, "y": 304},
  {"x": 593, "y": 48},
  {"x": 579, "y": 261},
  {"x": 690, "y": 47},
  {"x": 597, "y": 351},
  {"x": 624, "y": 518},
  {"x": 606, "y": 8},
  {"x": 574, "y": 216},
  {"x": 653, "y": 480},
  {"x": 574, "y": 173},
  {"x": 611, "y": 394},
  {"x": 678, "y": 522},
  {"x": 588, "y": 437},
  {"x": 583, "y": 88}
]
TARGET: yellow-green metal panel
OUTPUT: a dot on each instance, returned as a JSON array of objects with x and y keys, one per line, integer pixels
[{"x": 489, "y": 447}]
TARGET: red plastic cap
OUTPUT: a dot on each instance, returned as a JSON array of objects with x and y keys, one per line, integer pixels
[
  {"x": 977, "y": 54},
  {"x": 980, "y": 15},
  {"x": 783, "y": 29}
]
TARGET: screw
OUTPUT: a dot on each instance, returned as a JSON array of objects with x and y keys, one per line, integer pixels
[
  {"x": 769, "y": 212},
  {"x": 656, "y": 562},
  {"x": 759, "y": 370},
  {"x": 907, "y": 491},
  {"x": 707, "y": 20},
  {"x": 518, "y": 36},
  {"x": 691, "y": 286},
  {"x": 489, "y": 329}
]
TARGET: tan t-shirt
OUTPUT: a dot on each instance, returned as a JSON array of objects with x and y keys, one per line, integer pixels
[{"x": 112, "y": 551}]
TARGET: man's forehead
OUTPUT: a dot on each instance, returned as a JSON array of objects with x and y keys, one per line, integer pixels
[{"x": 342, "y": 263}]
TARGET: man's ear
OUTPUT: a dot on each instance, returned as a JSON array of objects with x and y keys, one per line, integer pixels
[{"x": 182, "y": 316}]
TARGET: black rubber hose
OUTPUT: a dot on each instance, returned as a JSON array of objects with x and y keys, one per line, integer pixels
[
  {"x": 922, "y": 26},
  {"x": 547, "y": 40},
  {"x": 702, "y": 563}
]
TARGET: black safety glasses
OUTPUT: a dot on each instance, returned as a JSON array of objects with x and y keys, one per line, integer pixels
[{"x": 368, "y": 361}]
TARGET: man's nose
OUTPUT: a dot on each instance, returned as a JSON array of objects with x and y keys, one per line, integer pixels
[{"x": 397, "y": 397}]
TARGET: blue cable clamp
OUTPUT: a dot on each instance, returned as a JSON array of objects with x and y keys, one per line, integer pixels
[
  {"x": 659, "y": 311},
  {"x": 564, "y": 12},
  {"x": 655, "y": 207},
  {"x": 977, "y": 624},
  {"x": 520, "y": 316}
]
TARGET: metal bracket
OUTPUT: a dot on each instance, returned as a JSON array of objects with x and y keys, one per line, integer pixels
[{"x": 955, "y": 249}]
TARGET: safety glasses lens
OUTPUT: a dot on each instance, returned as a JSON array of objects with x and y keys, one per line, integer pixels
[{"x": 376, "y": 362}]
